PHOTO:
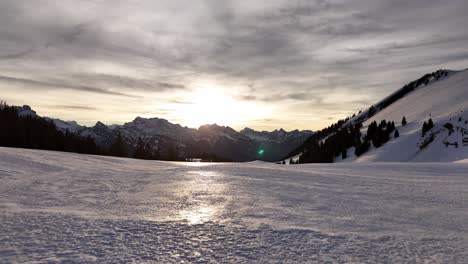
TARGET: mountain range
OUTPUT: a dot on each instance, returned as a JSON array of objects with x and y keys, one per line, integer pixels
[{"x": 176, "y": 142}]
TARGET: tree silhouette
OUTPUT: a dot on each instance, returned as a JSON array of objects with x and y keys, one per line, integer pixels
[{"x": 35, "y": 132}]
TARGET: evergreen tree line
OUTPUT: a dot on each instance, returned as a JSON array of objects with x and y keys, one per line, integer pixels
[
  {"x": 318, "y": 135},
  {"x": 35, "y": 132},
  {"x": 338, "y": 143},
  {"x": 39, "y": 133}
]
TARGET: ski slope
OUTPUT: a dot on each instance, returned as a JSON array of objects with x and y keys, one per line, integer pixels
[
  {"x": 62, "y": 207},
  {"x": 438, "y": 100},
  {"x": 445, "y": 101}
]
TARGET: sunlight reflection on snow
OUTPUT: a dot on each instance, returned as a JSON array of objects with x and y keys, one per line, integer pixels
[
  {"x": 201, "y": 206},
  {"x": 198, "y": 215},
  {"x": 198, "y": 164}
]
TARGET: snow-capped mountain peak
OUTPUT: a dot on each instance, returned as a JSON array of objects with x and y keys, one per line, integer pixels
[{"x": 278, "y": 135}]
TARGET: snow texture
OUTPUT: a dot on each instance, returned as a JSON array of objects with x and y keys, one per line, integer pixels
[
  {"x": 62, "y": 207},
  {"x": 444, "y": 101}
]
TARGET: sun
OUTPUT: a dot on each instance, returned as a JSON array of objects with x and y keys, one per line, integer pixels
[{"x": 215, "y": 106}]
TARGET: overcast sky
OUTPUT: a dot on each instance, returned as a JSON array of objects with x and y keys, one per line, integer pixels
[{"x": 290, "y": 64}]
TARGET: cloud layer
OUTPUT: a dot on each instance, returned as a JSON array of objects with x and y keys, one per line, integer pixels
[{"x": 308, "y": 62}]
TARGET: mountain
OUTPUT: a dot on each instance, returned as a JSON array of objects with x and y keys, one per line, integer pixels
[
  {"x": 175, "y": 142},
  {"x": 441, "y": 97},
  {"x": 277, "y": 142}
]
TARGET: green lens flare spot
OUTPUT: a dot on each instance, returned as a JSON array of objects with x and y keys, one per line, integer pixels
[{"x": 260, "y": 152}]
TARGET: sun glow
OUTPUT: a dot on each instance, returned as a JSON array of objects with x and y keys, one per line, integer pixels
[{"x": 213, "y": 106}]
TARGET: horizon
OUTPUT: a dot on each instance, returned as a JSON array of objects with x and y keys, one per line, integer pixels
[
  {"x": 155, "y": 117},
  {"x": 238, "y": 129},
  {"x": 292, "y": 65}
]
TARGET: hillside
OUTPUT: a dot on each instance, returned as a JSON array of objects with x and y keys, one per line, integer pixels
[
  {"x": 441, "y": 96},
  {"x": 444, "y": 101}
]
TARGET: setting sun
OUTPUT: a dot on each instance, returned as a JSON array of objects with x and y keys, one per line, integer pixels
[{"x": 213, "y": 106}]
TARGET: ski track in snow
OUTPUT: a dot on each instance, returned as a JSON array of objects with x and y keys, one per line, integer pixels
[{"x": 61, "y": 207}]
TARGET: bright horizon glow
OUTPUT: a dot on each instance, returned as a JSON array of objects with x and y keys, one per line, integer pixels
[{"x": 210, "y": 105}]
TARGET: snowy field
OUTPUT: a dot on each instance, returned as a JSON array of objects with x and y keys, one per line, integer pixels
[{"x": 60, "y": 207}]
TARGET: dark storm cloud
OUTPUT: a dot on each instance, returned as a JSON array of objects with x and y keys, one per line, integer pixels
[{"x": 295, "y": 51}]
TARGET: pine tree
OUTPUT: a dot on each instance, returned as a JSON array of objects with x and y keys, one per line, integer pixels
[
  {"x": 362, "y": 148},
  {"x": 427, "y": 126},
  {"x": 430, "y": 124},
  {"x": 291, "y": 161},
  {"x": 403, "y": 121},
  {"x": 396, "y": 134},
  {"x": 424, "y": 128}
]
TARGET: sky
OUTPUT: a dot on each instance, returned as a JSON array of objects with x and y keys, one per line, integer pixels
[{"x": 260, "y": 64}]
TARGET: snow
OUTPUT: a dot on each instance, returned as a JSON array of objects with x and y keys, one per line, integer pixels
[
  {"x": 278, "y": 136},
  {"x": 438, "y": 100},
  {"x": 71, "y": 126},
  {"x": 445, "y": 101},
  {"x": 62, "y": 207},
  {"x": 25, "y": 110}
]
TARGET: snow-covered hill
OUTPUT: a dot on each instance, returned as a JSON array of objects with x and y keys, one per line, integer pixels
[
  {"x": 64, "y": 207},
  {"x": 445, "y": 102},
  {"x": 441, "y": 96}
]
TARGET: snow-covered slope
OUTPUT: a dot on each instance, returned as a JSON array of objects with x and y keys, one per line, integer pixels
[
  {"x": 422, "y": 82},
  {"x": 445, "y": 101},
  {"x": 63, "y": 207},
  {"x": 440, "y": 97},
  {"x": 439, "y": 100}
]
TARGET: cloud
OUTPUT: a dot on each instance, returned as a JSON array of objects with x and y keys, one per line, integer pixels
[
  {"x": 44, "y": 85},
  {"x": 125, "y": 82},
  {"x": 16, "y": 55},
  {"x": 280, "y": 54},
  {"x": 75, "y": 107}
]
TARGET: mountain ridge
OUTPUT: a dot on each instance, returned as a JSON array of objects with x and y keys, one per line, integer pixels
[
  {"x": 211, "y": 140},
  {"x": 439, "y": 98}
]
